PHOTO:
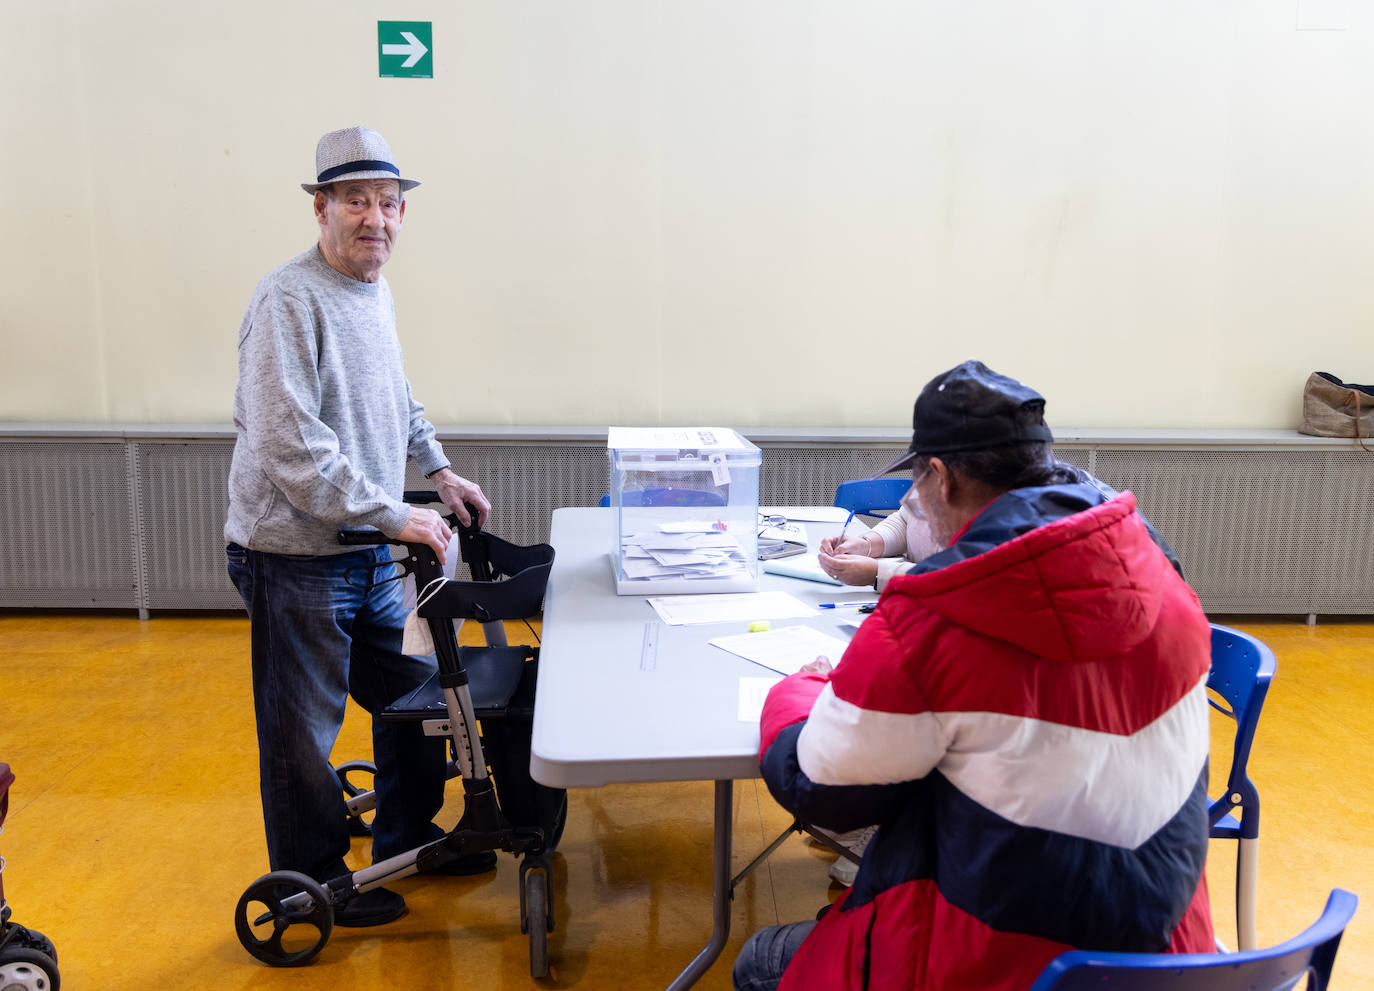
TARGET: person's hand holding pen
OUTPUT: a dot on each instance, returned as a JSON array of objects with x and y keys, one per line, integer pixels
[
  {"x": 865, "y": 543},
  {"x": 859, "y": 544},
  {"x": 849, "y": 559}
]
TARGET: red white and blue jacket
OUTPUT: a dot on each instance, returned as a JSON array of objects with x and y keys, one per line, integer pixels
[{"x": 1025, "y": 716}]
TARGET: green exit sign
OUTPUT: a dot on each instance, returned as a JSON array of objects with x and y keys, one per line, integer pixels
[{"x": 405, "y": 49}]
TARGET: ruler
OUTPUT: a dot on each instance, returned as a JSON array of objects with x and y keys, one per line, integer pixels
[{"x": 648, "y": 652}]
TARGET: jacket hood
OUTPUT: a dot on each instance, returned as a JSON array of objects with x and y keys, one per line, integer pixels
[{"x": 1060, "y": 571}]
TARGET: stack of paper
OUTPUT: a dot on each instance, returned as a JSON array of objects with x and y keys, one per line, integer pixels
[{"x": 689, "y": 549}]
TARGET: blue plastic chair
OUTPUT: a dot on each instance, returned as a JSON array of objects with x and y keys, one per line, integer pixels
[
  {"x": 872, "y": 496},
  {"x": 1312, "y": 953},
  {"x": 1241, "y": 671},
  {"x": 666, "y": 497}
]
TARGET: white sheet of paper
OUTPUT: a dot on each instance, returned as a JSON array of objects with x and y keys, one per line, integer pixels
[
  {"x": 725, "y": 607},
  {"x": 785, "y": 649},
  {"x": 752, "y": 693},
  {"x": 805, "y": 566}
]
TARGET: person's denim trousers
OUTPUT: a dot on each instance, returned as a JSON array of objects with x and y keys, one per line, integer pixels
[
  {"x": 765, "y": 956},
  {"x": 324, "y": 629}
]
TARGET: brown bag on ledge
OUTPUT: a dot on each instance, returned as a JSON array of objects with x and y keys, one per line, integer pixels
[{"x": 1332, "y": 408}]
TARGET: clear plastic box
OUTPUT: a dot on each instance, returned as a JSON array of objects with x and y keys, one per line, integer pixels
[{"x": 686, "y": 509}]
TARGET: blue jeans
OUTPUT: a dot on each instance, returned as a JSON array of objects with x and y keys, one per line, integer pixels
[
  {"x": 323, "y": 630},
  {"x": 765, "y": 956}
]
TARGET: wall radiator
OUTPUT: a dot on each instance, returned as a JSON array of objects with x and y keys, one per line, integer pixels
[{"x": 1264, "y": 521}]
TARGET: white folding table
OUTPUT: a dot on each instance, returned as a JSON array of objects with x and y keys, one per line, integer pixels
[{"x": 625, "y": 698}]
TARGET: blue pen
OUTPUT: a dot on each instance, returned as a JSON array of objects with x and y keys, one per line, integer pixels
[
  {"x": 848, "y": 520},
  {"x": 844, "y": 605}
]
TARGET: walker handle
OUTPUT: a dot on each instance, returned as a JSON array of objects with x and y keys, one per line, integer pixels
[{"x": 356, "y": 536}]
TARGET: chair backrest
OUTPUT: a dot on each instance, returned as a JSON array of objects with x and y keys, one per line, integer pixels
[
  {"x": 666, "y": 497},
  {"x": 1312, "y": 953},
  {"x": 872, "y": 496},
  {"x": 1242, "y": 668}
]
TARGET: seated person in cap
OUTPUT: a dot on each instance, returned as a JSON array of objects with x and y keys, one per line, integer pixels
[
  {"x": 897, "y": 541},
  {"x": 1024, "y": 716}
]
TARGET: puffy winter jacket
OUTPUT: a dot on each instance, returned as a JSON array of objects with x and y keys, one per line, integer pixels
[{"x": 1025, "y": 716}]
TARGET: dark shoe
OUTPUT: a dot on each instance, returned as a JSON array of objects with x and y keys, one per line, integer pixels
[
  {"x": 469, "y": 864},
  {"x": 371, "y": 908}
]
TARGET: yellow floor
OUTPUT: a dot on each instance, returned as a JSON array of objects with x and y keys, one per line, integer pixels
[{"x": 134, "y": 826}]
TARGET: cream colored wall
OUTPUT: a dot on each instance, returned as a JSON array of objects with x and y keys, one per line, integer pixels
[{"x": 1158, "y": 212}]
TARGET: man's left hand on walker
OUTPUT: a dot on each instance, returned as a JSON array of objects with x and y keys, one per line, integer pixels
[{"x": 455, "y": 490}]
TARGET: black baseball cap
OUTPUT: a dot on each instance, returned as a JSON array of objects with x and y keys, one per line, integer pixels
[{"x": 970, "y": 408}]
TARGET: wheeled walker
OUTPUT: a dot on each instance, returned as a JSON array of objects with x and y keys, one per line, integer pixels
[
  {"x": 28, "y": 960},
  {"x": 285, "y": 918}
]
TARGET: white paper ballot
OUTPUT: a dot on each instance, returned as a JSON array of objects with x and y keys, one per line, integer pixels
[
  {"x": 785, "y": 649},
  {"x": 688, "y": 526},
  {"x": 726, "y": 607},
  {"x": 677, "y": 558},
  {"x": 663, "y": 541},
  {"x": 752, "y": 693},
  {"x": 647, "y": 567},
  {"x": 724, "y": 540}
]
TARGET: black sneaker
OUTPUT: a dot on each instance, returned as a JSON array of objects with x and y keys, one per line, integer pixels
[
  {"x": 372, "y": 908},
  {"x": 469, "y": 864}
]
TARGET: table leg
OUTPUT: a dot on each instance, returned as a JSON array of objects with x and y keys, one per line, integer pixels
[{"x": 720, "y": 881}]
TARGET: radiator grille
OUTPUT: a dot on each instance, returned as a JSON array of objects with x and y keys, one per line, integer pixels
[
  {"x": 1261, "y": 531},
  {"x": 66, "y": 525},
  {"x": 183, "y": 497},
  {"x": 808, "y": 476},
  {"x": 138, "y": 525},
  {"x": 527, "y": 482}
]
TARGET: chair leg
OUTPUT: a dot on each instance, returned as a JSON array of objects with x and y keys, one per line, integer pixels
[{"x": 1247, "y": 875}]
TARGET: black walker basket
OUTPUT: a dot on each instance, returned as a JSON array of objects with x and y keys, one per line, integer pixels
[
  {"x": 508, "y": 583},
  {"x": 503, "y": 807}
]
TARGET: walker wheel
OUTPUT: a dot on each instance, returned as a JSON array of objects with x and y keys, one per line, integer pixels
[
  {"x": 23, "y": 968},
  {"x": 357, "y": 826},
  {"x": 536, "y": 921},
  {"x": 284, "y": 935}
]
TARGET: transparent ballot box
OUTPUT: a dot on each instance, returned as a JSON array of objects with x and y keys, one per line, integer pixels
[{"x": 686, "y": 502}]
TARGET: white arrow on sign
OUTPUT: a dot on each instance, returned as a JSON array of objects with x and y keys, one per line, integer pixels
[{"x": 413, "y": 47}]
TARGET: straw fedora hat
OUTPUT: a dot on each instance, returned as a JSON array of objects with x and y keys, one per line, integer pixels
[{"x": 354, "y": 153}]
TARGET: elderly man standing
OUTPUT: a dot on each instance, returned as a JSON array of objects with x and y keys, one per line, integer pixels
[
  {"x": 1024, "y": 716},
  {"x": 325, "y": 423}
]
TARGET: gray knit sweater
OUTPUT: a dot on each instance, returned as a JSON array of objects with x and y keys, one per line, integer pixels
[{"x": 324, "y": 413}]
